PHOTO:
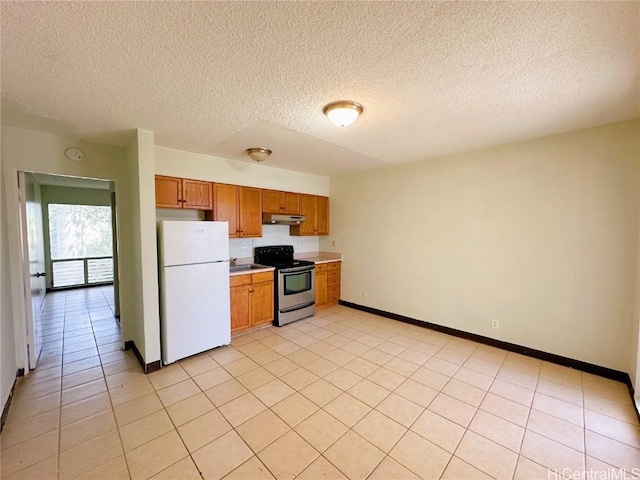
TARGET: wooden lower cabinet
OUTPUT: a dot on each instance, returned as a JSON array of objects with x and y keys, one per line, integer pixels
[
  {"x": 327, "y": 283},
  {"x": 251, "y": 300}
]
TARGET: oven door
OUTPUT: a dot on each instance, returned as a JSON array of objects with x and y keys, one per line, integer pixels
[{"x": 296, "y": 286}]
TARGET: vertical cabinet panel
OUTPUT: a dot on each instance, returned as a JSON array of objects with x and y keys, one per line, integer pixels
[
  {"x": 168, "y": 192},
  {"x": 321, "y": 287},
  {"x": 240, "y": 308},
  {"x": 262, "y": 303},
  {"x": 226, "y": 206},
  {"x": 322, "y": 216},
  {"x": 196, "y": 194},
  {"x": 291, "y": 202},
  {"x": 271, "y": 202},
  {"x": 250, "y": 211}
]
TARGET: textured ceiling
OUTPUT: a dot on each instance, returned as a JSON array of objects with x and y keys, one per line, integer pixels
[{"x": 434, "y": 77}]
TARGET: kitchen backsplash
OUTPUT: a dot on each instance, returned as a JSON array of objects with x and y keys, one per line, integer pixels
[{"x": 271, "y": 235}]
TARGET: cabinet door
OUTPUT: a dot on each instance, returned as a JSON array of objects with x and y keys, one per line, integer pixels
[
  {"x": 321, "y": 288},
  {"x": 240, "y": 308},
  {"x": 308, "y": 209},
  {"x": 168, "y": 192},
  {"x": 262, "y": 303},
  {"x": 250, "y": 212},
  {"x": 322, "y": 216},
  {"x": 226, "y": 206},
  {"x": 291, "y": 202},
  {"x": 196, "y": 194},
  {"x": 271, "y": 201}
]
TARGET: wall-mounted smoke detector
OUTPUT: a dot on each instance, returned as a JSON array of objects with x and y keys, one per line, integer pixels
[{"x": 74, "y": 154}]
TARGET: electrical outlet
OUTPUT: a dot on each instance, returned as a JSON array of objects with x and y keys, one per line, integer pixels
[
  {"x": 365, "y": 295},
  {"x": 302, "y": 241},
  {"x": 495, "y": 324},
  {"x": 333, "y": 243},
  {"x": 244, "y": 245}
]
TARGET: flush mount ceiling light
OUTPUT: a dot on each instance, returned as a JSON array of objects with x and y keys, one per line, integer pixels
[
  {"x": 343, "y": 113},
  {"x": 258, "y": 154}
]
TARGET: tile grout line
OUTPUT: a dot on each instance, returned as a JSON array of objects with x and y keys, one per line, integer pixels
[
  {"x": 104, "y": 378},
  {"x": 261, "y": 365}
]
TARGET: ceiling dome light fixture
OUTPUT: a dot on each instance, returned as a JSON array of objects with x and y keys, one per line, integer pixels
[
  {"x": 258, "y": 154},
  {"x": 343, "y": 113}
]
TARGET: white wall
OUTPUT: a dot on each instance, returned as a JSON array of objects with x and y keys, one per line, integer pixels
[
  {"x": 148, "y": 245},
  {"x": 8, "y": 365},
  {"x": 145, "y": 330},
  {"x": 178, "y": 163},
  {"x": 541, "y": 235},
  {"x": 39, "y": 152}
]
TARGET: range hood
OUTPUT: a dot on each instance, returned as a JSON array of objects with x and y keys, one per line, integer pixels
[{"x": 279, "y": 219}]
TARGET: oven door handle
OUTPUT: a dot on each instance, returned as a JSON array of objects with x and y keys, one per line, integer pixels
[
  {"x": 297, "y": 307},
  {"x": 306, "y": 268}
]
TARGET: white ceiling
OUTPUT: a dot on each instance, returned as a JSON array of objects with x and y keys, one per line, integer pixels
[{"x": 435, "y": 78}]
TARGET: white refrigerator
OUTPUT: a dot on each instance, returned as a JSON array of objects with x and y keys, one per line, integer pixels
[{"x": 194, "y": 287}]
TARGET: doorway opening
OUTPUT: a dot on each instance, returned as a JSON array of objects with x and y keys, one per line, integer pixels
[{"x": 70, "y": 262}]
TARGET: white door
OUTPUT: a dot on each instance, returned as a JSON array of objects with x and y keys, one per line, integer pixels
[{"x": 33, "y": 256}]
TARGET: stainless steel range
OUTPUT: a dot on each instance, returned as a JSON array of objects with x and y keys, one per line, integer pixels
[{"x": 295, "y": 292}]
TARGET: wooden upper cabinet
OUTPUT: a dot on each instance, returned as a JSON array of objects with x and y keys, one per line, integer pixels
[
  {"x": 316, "y": 209},
  {"x": 241, "y": 207},
  {"x": 322, "y": 216},
  {"x": 226, "y": 206},
  {"x": 250, "y": 212},
  {"x": 275, "y": 201},
  {"x": 197, "y": 194},
  {"x": 173, "y": 192},
  {"x": 168, "y": 192}
]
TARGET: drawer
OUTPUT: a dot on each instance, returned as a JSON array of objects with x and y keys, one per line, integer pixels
[
  {"x": 334, "y": 297},
  {"x": 331, "y": 274},
  {"x": 332, "y": 282},
  {"x": 333, "y": 265},
  {"x": 321, "y": 267},
  {"x": 239, "y": 280},
  {"x": 262, "y": 277},
  {"x": 333, "y": 289}
]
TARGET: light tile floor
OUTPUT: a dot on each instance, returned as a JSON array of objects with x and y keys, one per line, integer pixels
[{"x": 342, "y": 395}]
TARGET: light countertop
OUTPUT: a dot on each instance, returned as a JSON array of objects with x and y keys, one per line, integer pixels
[
  {"x": 319, "y": 257},
  {"x": 247, "y": 272}
]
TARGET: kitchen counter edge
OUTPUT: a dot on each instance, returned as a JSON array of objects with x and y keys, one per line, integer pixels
[
  {"x": 319, "y": 257},
  {"x": 249, "y": 272}
]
